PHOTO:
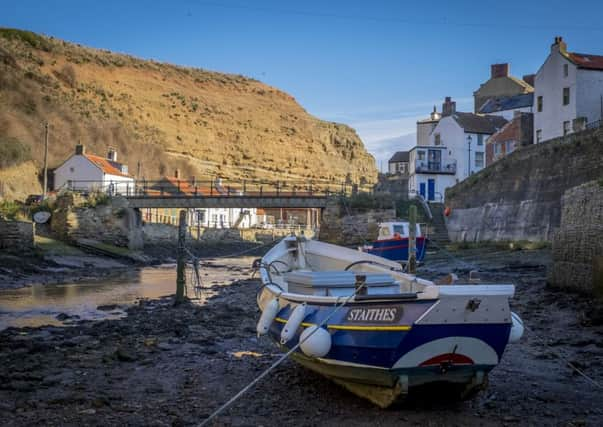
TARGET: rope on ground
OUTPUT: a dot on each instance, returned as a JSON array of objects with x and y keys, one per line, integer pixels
[
  {"x": 570, "y": 364},
  {"x": 279, "y": 361}
]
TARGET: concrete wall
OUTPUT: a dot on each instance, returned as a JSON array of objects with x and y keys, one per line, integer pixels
[
  {"x": 519, "y": 196},
  {"x": 16, "y": 236},
  {"x": 578, "y": 243}
]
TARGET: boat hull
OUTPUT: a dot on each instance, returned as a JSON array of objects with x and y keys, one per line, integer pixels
[
  {"x": 397, "y": 249},
  {"x": 385, "y": 361}
]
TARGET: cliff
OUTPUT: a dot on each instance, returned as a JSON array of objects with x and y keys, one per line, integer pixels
[
  {"x": 161, "y": 117},
  {"x": 519, "y": 197}
]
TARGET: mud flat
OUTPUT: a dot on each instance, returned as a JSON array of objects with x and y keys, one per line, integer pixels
[{"x": 166, "y": 365}]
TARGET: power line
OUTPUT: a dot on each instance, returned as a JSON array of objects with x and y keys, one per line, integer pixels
[{"x": 408, "y": 21}]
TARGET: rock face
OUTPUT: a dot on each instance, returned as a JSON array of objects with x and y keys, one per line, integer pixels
[
  {"x": 578, "y": 244},
  {"x": 161, "y": 117},
  {"x": 519, "y": 197}
]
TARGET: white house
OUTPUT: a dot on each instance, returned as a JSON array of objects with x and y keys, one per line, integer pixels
[
  {"x": 86, "y": 172},
  {"x": 456, "y": 149},
  {"x": 568, "y": 92},
  {"x": 398, "y": 163}
]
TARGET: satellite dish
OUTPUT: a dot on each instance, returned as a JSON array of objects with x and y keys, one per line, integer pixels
[{"x": 41, "y": 217}]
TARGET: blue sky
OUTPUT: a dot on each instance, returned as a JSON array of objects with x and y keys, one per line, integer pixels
[{"x": 377, "y": 66}]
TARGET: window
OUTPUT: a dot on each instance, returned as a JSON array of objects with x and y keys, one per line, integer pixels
[
  {"x": 480, "y": 139},
  {"x": 566, "y": 95},
  {"x": 566, "y": 127},
  {"x": 437, "y": 139},
  {"x": 479, "y": 159},
  {"x": 497, "y": 149},
  {"x": 71, "y": 170},
  {"x": 538, "y": 136},
  {"x": 539, "y": 104},
  {"x": 565, "y": 70},
  {"x": 421, "y": 155}
]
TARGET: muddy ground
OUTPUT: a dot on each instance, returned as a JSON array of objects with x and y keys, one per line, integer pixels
[{"x": 166, "y": 365}]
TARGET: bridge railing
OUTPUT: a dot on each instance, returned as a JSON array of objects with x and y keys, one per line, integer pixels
[{"x": 208, "y": 188}]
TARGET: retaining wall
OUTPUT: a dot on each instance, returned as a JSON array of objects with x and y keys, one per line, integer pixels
[{"x": 16, "y": 236}]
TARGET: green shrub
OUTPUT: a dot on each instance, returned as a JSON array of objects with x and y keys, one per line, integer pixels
[
  {"x": 9, "y": 209},
  {"x": 13, "y": 152},
  {"x": 32, "y": 39}
]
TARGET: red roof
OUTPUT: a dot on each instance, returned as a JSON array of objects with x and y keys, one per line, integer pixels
[
  {"x": 590, "y": 62},
  {"x": 106, "y": 165}
]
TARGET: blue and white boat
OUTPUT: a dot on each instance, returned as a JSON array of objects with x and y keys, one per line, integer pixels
[
  {"x": 359, "y": 320},
  {"x": 393, "y": 242}
]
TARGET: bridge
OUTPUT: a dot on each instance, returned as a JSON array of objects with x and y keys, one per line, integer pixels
[{"x": 176, "y": 193}]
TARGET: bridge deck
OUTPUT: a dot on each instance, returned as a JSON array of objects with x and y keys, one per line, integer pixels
[{"x": 233, "y": 201}]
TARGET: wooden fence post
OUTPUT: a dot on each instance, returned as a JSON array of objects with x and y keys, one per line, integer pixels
[{"x": 180, "y": 274}]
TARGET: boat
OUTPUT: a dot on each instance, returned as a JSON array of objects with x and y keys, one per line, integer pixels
[
  {"x": 362, "y": 322},
  {"x": 393, "y": 242}
]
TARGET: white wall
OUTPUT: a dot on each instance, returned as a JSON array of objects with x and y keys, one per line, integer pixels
[
  {"x": 77, "y": 168},
  {"x": 508, "y": 114},
  {"x": 549, "y": 84},
  {"x": 588, "y": 94},
  {"x": 424, "y": 131},
  {"x": 117, "y": 184}
]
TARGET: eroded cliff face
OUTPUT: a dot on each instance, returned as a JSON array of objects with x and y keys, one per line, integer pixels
[
  {"x": 161, "y": 117},
  {"x": 519, "y": 197}
]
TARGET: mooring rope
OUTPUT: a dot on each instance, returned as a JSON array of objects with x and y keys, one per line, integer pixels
[{"x": 281, "y": 359}]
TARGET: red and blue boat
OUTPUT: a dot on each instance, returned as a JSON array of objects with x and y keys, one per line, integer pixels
[{"x": 393, "y": 242}]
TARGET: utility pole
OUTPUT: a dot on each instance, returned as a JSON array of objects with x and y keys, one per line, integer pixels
[
  {"x": 180, "y": 277},
  {"x": 45, "y": 160},
  {"x": 412, "y": 242}
]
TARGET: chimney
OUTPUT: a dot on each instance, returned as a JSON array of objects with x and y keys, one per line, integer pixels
[
  {"x": 193, "y": 181},
  {"x": 499, "y": 70},
  {"x": 529, "y": 79},
  {"x": 559, "y": 45},
  {"x": 80, "y": 150},
  {"x": 112, "y": 154},
  {"x": 448, "y": 107},
  {"x": 177, "y": 173}
]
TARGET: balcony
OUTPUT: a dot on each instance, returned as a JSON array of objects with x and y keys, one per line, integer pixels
[{"x": 423, "y": 166}]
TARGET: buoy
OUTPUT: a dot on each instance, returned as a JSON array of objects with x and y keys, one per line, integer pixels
[
  {"x": 268, "y": 316},
  {"x": 516, "y": 328},
  {"x": 315, "y": 344},
  {"x": 447, "y": 211},
  {"x": 295, "y": 320}
]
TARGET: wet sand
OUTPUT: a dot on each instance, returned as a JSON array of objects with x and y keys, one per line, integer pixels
[{"x": 166, "y": 365}]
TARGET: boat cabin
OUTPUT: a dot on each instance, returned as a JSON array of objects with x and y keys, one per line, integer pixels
[{"x": 396, "y": 230}]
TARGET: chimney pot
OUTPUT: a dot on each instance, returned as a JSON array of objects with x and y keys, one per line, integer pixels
[
  {"x": 112, "y": 155},
  {"x": 559, "y": 45},
  {"x": 448, "y": 107},
  {"x": 80, "y": 149}
]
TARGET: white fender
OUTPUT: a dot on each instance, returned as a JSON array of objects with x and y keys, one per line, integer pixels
[
  {"x": 295, "y": 320},
  {"x": 315, "y": 341},
  {"x": 516, "y": 328},
  {"x": 267, "y": 317}
]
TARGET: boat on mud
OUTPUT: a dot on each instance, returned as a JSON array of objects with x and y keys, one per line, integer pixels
[
  {"x": 393, "y": 242},
  {"x": 359, "y": 320}
]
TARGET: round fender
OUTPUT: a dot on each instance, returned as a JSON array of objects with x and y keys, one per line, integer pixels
[{"x": 315, "y": 341}]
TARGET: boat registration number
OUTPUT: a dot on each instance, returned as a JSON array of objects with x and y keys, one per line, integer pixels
[{"x": 387, "y": 314}]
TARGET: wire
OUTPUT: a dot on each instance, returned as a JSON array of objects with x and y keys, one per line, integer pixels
[{"x": 280, "y": 360}]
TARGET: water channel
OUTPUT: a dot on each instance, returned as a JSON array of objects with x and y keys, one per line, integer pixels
[{"x": 41, "y": 304}]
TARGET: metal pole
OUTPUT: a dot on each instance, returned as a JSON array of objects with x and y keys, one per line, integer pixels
[
  {"x": 412, "y": 242},
  {"x": 180, "y": 276},
  {"x": 45, "y": 160}
]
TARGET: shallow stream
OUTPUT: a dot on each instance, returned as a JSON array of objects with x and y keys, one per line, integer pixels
[{"x": 41, "y": 304}]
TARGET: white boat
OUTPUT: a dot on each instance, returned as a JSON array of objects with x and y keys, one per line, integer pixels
[{"x": 381, "y": 333}]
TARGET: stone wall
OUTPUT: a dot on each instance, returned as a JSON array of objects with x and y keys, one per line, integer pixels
[
  {"x": 519, "y": 196},
  {"x": 113, "y": 223},
  {"x": 578, "y": 243},
  {"x": 16, "y": 236}
]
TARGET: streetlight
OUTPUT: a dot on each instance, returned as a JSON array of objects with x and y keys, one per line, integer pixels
[{"x": 469, "y": 158}]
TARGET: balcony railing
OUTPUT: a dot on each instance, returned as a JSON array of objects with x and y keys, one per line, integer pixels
[{"x": 435, "y": 167}]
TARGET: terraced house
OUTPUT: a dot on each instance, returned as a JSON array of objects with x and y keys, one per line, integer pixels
[{"x": 568, "y": 93}]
